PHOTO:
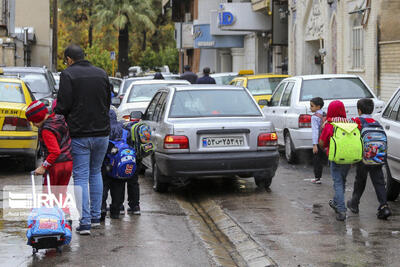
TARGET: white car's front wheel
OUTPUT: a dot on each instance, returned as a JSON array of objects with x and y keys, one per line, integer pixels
[{"x": 290, "y": 153}]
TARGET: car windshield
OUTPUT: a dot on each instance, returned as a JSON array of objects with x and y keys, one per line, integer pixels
[
  {"x": 334, "y": 88},
  {"x": 144, "y": 92},
  {"x": 11, "y": 92},
  {"x": 213, "y": 103},
  {"x": 36, "y": 81},
  {"x": 263, "y": 86},
  {"x": 223, "y": 80}
]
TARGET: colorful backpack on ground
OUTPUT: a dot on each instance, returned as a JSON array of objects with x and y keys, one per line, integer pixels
[
  {"x": 122, "y": 158},
  {"x": 46, "y": 224},
  {"x": 141, "y": 137},
  {"x": 345, "y": 145},
  {"x": 374, "y": 142}
]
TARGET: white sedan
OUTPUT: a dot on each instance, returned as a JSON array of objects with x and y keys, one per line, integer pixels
[{"x": 139, "y": 94}]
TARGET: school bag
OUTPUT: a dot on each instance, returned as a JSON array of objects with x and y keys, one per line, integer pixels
[
  {"x": 345, "y": 145},
  {"x": 323, "y": 119},
  {"x": 121, "y": 158},
  {"x": 374, "y": 142},
  {"x": 141, "y": 137},
  {"x": 47, "y": 226}
]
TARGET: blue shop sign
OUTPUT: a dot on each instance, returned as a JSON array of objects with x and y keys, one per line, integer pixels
[
  {"x": 203, "y": 38},
  {"x": 226, "y": 18}
]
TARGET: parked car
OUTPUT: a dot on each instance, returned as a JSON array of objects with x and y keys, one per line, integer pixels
[
  {"x": 116, "y": 83},
  {"x": 139, "y": 94},
  {"x": 18, "y": 137},
  {"x": 39, "y": 80},
  {"x": 289, "y": 108},
  {"x": 260, "y": 86},
  {"x": 390, "y": 120},
  {"x": 116, "y": 101},
  {"x": 203, "y": 131},
  {"x": 224, "y": 78}
]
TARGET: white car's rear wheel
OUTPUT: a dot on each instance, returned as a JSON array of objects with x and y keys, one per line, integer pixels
[
  {"x": 158, "y": 185},
  {"x": 290, "y": 153}
]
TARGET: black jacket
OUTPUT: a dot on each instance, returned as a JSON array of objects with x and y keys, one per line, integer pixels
[
  {"x": 189, "y": 76},
  {"x": 205, "y": 80},
  {"x": 84, "y": 99}
]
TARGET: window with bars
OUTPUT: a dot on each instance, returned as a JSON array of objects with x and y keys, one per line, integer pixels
[{"x": 357, "y": 47}]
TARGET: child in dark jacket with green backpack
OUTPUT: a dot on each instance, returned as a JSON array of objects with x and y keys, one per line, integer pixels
[
  {"x": 372, "y": 160},
  {"x": 341, "y": 152}
]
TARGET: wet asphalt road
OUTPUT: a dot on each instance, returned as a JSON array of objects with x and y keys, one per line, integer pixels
[{"x": 292, "y": 223}]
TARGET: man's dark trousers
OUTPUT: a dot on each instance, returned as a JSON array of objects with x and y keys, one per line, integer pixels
[
  {"x": 319, "y": 160},
  {"x": 377, "y": 179}
]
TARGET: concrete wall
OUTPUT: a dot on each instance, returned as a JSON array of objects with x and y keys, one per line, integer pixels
[{"x": 36, "y": 14}]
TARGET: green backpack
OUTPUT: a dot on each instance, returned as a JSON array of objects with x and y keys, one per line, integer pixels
[{"x": 345, "y": 146}]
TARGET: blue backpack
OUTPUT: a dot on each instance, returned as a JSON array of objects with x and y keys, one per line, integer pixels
[
  {"x": 45, "y": 222},
  {"x": 122, "y": 158},
  {"x": 374, "y": 142}
]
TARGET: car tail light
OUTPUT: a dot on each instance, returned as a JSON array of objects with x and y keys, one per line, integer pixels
[
  {"x": 267, "y": 139},
  {"x": 126, "y": 117},
  {"x": 305, "y": 121},
  {"x": 176, "y": 142},
  {"x": 16, "y": 124}
]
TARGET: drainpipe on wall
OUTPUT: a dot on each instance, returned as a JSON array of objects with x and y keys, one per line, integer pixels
[{"x": 378, "y": 62}]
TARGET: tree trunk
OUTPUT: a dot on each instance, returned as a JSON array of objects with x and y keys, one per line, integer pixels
[
  {"x": 123, "y": 49},
  {"x": 144, "y": 41},
  {"x": 55, "y": 39},
  {"x": 90, "y": 32}
]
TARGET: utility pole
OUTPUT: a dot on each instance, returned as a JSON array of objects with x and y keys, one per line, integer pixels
[{"x": 55, "y": 32}]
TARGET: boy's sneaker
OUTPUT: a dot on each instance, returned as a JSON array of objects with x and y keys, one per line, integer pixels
[
  {"x": 341, "y": 216},
  {"x": 352, "y": 207},
  {"x": 83, "y": 229},
  {"x": 332, "y": 204},
  {"x": 384, "y": 212},
  {"x": 95, "y": 223},
  {"x": 135, "y": 210},
  {"x": 122, "y": 210},
  {"x": 316, "y": 181}
]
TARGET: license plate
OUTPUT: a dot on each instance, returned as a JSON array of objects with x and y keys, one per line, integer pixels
[{"x": 223, "y": 141}]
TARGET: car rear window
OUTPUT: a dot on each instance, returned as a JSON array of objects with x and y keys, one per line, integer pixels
[
  {"x": 334, "y": 88},
  {"x": 223, "y": 80},
  {"x": 37, "y": 82},
  {"x": 11, "y": 92},
  {"x": 145, "y": 92},
  {"x": 263, "y": 86},
  {"x": 213, "y": 103}
]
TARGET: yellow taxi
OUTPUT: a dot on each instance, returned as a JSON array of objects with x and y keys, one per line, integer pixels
[
  {"x": 18, "y": 137},
  {"x": 261, "y": 86}
]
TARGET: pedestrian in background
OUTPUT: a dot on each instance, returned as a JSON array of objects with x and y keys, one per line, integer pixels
[
  {"x": 336, "y": 113},
  {"x": 206, "y": 79},
  {"x": 319, "y": 158},
  {"x": 158, "y": 76},
  {"x": 84, "y": 99},
  {"x": 365, "y": 108},
  {"x": 188, "y": 75}
]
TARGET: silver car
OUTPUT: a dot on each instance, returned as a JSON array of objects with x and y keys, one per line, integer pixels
[
  {"x": 390, "y": 120},
  {"x": 206, "y": 131},
  {"x": 289, "y": 107},
  {"x": 139, "y": 94}
]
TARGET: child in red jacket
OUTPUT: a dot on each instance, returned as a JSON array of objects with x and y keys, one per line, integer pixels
[{"x": 55, "y": 142}]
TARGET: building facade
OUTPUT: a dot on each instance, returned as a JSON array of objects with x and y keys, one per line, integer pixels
[
  {"x": 25, "y": 34},
  {"x": 231, "y": 35}
]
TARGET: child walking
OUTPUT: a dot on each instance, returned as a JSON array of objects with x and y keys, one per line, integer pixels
[
  {"x": 319, "y": 158},
  {"x": 336, "y": 113},
  {"x": 365, "y": 108},
  {"x": 55, "y": 143}
]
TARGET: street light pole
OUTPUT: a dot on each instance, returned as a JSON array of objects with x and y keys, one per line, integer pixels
[{"x": 55, "y": 39}]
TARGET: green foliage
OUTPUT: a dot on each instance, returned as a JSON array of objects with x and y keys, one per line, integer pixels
[
  {"x": 99, "y": 57},
  {"x": 151, "y": 60}
]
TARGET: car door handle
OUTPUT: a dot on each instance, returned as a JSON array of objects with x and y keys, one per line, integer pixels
[
  {"x": 273, "y": 111},
  {"x": 285, "y": 111},
  {"x": 387, "y": 127}
]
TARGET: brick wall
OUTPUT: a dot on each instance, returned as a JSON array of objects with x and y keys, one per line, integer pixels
[{"x": 389, "y": 69}]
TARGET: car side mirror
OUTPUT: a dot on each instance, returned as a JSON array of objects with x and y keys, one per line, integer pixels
[
  {"x": 136, "y": 115},
  {"x": 263, "y": 102},
  {"x": 115, "y": 101}
]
